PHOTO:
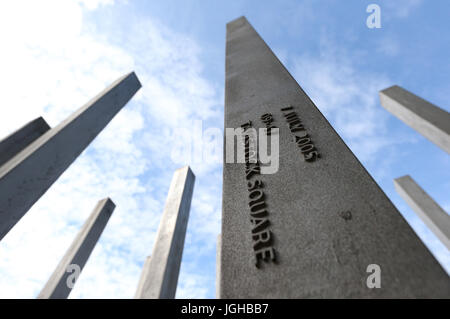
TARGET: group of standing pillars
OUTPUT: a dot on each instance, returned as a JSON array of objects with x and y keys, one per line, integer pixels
[
  {"x": 434, "y": 124},
  {"x": 36, "y": 155}
]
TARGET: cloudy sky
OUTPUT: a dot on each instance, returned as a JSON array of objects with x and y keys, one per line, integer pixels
[{"x": 57, "y": 54}]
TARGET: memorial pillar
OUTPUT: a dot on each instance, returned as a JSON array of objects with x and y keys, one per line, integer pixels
[
  {"x": 65, "y": 275},
  {"x": 425, "y": 207},
  {"x": 160, "y": 274},
  {"x": 29, "y": 174},
  {"x": 426, "y": 118},
  {"x": 11, "y": 145},
  {"x": 320, "y": 225}
]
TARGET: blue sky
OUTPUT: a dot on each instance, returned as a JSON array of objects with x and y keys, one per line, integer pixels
[{"x": 57, "y": 54}]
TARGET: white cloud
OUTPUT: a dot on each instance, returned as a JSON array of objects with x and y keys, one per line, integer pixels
[
  {"x": 193, "y": 287},
  {"x": 94, "y": 4},
  {"x": 388, "y": 46},
  {"x": 348, "y": 99},
  {"x": 402, "y": 8}
]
